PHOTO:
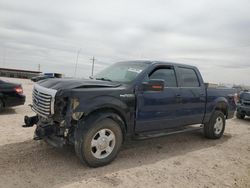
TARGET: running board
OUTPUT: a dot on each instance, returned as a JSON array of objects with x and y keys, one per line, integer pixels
[{"x": 191, "y": 128}]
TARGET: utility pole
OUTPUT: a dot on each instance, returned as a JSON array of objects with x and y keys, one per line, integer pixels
[
  {"x": 39, "y": 67},
  {"x": 93, "y": 64},
  {"x": 77, "y": 56}
]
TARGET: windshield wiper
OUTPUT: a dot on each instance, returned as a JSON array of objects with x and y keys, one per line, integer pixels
[{"x": 104, "y": 79}]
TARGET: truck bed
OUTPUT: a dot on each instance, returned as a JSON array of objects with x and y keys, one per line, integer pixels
[{"x": 215, "y": 94}]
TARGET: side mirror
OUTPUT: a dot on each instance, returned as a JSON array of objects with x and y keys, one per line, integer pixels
[{"x": 153, "y": 85}]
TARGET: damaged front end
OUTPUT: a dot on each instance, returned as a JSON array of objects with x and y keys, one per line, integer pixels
[
  {"x": 53, "y": 132},
  {"x": 59, "y": 104},
  {"x": 53, "y": 119}
]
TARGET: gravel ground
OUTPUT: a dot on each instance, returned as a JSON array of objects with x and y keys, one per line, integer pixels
[{"x": 184, "y": 160}]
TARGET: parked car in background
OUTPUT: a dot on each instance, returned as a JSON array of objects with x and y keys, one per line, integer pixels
[
  {"x": 11, "y": 94},
  {"x": 243, "y": 106},
  {"x": 45, "y": 76},
  {"x": 135, "y": 99}
]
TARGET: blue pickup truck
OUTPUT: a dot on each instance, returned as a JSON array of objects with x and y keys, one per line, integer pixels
[{"x": 135, "y": 99}]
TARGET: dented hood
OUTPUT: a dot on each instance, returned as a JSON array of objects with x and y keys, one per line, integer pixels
[{"x": 59, "y": 83}]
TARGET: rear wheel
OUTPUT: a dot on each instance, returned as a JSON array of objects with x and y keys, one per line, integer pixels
[
  {"x": 99, "y": 143},
  {"x": 240, "y": 116},
  {"x": 214, "y": 129}
]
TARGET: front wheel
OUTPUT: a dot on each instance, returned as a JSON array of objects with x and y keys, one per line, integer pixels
[
  {"x": 99, "y": 143},
  {"x": 214, "y": 129}
]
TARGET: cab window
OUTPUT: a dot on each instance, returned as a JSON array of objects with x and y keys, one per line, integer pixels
[
  {"x": 188, "y": 77},
  {"x": 166, "y": 74}
]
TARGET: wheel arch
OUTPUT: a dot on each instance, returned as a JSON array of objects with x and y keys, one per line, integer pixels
[
  {"x": 107, "y": 112},
  {"x": 221, "y": 106}
]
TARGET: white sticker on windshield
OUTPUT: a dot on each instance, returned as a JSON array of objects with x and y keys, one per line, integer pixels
[{"x": 134, "y": 70}]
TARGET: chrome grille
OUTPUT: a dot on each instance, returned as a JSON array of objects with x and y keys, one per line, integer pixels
[{"x": 43, "y": 100}]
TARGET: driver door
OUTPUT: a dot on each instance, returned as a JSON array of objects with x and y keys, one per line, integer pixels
[{"x": 157, "y": 109}]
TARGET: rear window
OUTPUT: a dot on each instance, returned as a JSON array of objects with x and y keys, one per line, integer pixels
[{"x": 188, "y": 77}]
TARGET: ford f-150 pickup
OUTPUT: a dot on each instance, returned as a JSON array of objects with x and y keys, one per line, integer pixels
[{"x": 135, "y": 99}]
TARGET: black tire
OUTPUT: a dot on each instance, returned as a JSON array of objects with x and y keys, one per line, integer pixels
[
  {"x": 1, "y": 105},
  {"x": 86, "y": 132},
  {"x": 210, "y": 129},
  {"x": 240, "y": 116}
]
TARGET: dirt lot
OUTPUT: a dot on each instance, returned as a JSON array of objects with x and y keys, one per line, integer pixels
[{"x": 185, "y": 160}]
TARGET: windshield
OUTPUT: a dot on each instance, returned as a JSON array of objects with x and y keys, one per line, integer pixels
[{"x": 124, "y": 72}]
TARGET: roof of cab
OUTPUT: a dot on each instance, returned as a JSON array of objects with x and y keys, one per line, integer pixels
[{"x": 158, "y": 62}]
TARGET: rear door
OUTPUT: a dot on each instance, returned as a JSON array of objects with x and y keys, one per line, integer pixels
[
  {"x": 193, "y": 96},
  {"x": 157, "y": 110}
]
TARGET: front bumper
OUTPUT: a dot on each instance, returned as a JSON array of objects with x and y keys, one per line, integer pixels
[{"x": 49, "y": 131}]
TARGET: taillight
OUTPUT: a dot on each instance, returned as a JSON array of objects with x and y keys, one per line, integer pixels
[{"x": 19, "y": 89}]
